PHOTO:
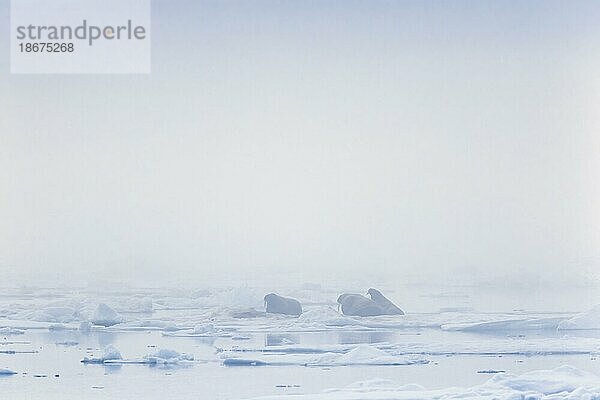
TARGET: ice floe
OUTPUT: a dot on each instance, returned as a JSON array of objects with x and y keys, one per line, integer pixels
[
  {"x": 360, "y": 355},
  {"x": 113, "y": 356},
  {"x": 563, "y": 382}
]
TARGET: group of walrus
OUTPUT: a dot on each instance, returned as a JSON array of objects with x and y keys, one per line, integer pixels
[{"x": 350, "y": 304}]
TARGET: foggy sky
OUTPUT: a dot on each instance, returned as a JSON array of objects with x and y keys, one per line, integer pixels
[{"x": 390, "y": 138}]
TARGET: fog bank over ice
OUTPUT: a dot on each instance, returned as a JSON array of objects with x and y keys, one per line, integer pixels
[{"x": 391, "y": 149}]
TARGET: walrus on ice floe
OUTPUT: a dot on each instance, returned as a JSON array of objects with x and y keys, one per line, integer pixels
[
  {"x": 387, "y": 306},
  {"x": 276, "y": 304},
  {"x": 358, "y": 305}
]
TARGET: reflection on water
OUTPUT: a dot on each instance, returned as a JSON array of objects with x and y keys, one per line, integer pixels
[
  {"x": 272, "y": 339},
  {"x": 364, "y": 337},
  {"x": 112, "y": 369}
]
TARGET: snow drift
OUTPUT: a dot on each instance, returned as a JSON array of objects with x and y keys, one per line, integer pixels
[
  {"x": 560, "y": 383},
  {"x": 360, "y": 355}
]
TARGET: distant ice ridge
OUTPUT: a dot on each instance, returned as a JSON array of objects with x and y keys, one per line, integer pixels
[
  {"x": 564, "y": 382},
  {"x": 587, "y": 320},
  {"x": 360, "y": 355}
]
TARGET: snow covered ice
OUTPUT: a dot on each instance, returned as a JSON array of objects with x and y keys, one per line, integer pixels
[{"x": 564, "y": 382}]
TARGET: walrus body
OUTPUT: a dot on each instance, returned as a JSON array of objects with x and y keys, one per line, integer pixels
[
  {"x": 358, "y": 305},
  {"x": 386, "y": 305},
  {"x": 276, "y": 304}
]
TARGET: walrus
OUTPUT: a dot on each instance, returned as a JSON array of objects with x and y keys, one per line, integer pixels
[
  {"x": 358, "y": 305},
  {"x": 387, "y": 306},
  {"x": 276, "y": 304}
]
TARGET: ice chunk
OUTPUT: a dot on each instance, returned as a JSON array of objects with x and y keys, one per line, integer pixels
[
  {"x": 110, "y": 353},
  {"x": 166, "y": 356},
  {"x": 587, "y": 320},
  {"x": 6, "y": 371},
  {"x": 106, "y": 316}
]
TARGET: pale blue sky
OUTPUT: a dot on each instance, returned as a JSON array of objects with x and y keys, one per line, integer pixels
[{"x": 446, "y": 137}]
